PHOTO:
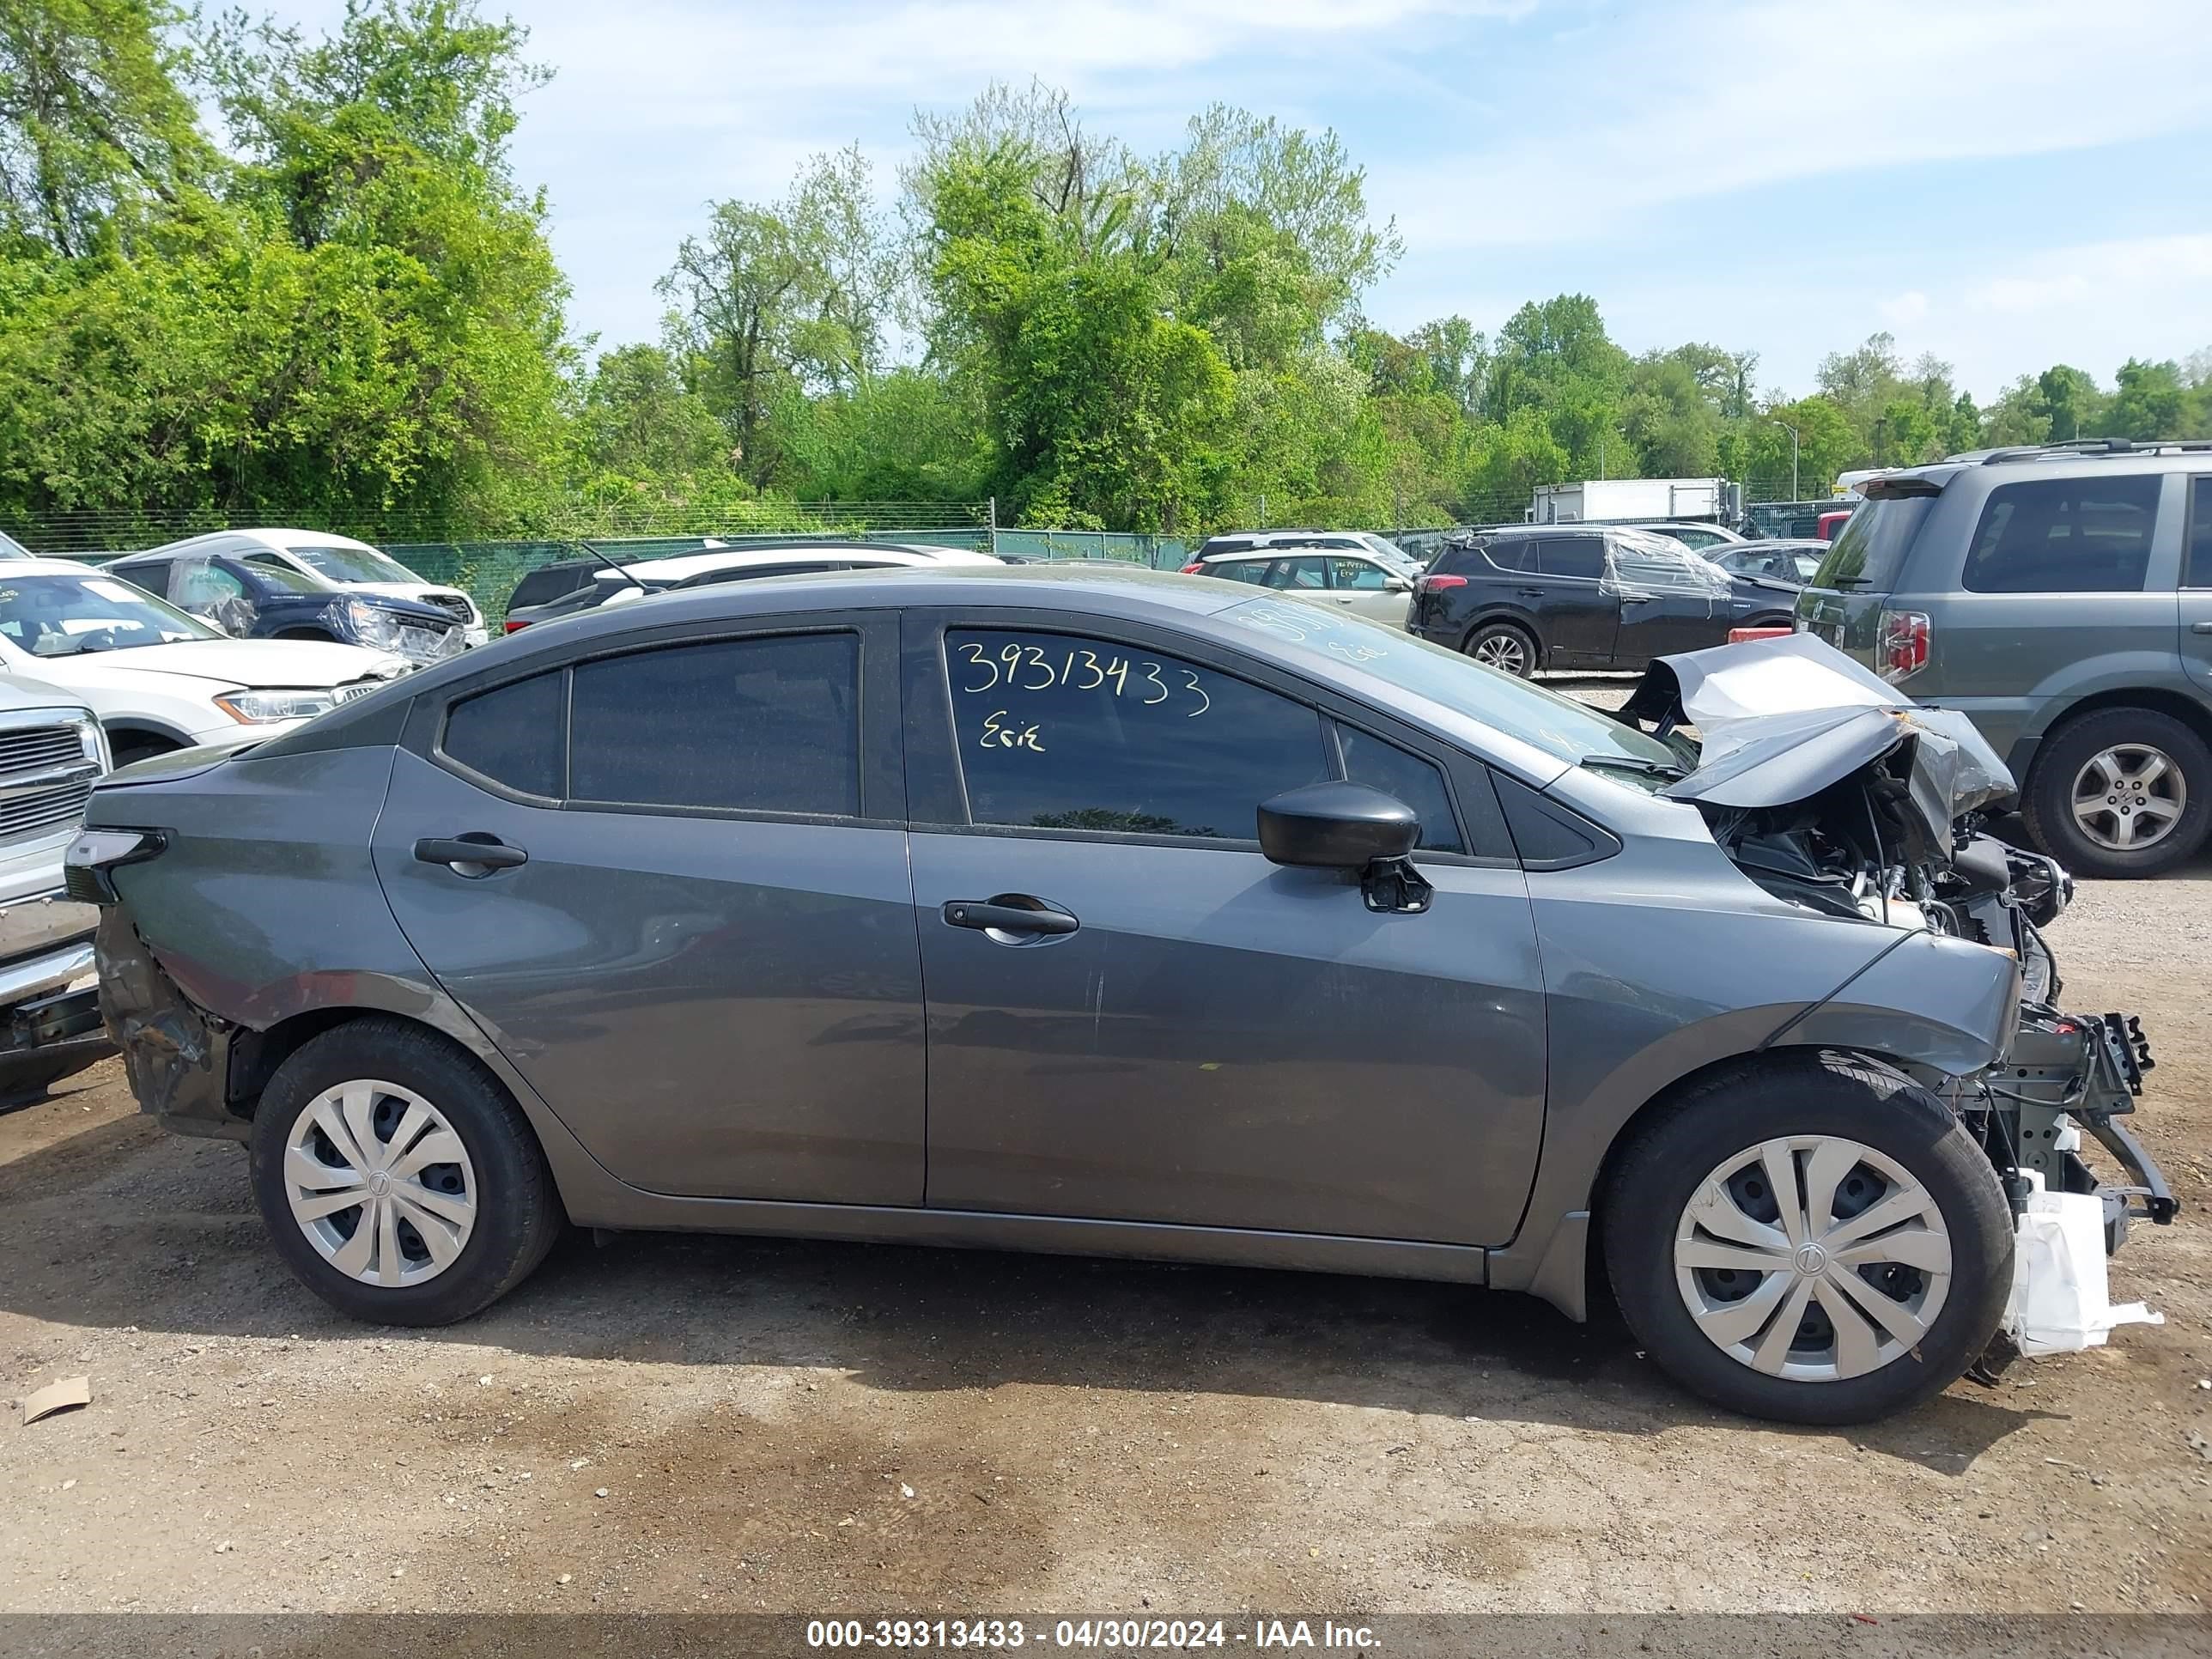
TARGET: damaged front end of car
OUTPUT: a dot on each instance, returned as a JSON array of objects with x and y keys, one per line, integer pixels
[{"x": 1834, "y": 792}]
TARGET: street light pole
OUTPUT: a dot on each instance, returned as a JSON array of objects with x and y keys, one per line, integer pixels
[{"x": 1792, "y": 431}]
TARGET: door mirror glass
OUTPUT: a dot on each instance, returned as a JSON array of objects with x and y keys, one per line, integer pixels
[{"x": 1336, "y": 826}]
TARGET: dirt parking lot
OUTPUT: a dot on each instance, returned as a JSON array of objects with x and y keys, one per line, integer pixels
[{"x": 730, "y": 1425}]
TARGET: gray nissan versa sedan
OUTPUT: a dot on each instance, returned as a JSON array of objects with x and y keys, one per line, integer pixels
[{"x": 1104, "y": 911}]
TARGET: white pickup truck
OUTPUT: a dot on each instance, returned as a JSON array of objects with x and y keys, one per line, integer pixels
[{"x": 52, "y": 750}]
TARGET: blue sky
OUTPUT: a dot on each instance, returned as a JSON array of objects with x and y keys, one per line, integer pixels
[{"x": 2005, "y": 183}]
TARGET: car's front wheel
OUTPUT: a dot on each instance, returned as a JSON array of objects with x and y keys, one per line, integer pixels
[
  {"x": 1813, "y": 1239},
  {"x": 397, "y": 1179}
]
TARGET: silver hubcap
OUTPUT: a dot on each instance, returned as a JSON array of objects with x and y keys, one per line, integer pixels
[
  {"x": 1502, "y": 650},
  {"x": 1813, "y": 1258},
  {"x": 379, "y": 1184},
  {"x": 2129, "y": 797}
]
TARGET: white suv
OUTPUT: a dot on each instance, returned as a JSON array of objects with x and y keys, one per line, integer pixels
[
  {"x": 157, "y": 679},
  {"x": 335, "y": 562}
]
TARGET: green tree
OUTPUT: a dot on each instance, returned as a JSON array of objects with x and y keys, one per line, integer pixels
[
  {"x": 2149, "y": 401},
  {"x": 93, "y": 125},
  {"x": 639, "y": 420},
  {"x": 2072, "y": 406},
  {"x": 790, "y": 293}
]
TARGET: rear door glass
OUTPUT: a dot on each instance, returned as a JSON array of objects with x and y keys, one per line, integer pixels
[
  {"x": 1573, "y": 556},
  {"x": 1298, "y": 574},
  {"x": 2089, "y": 535},
  {"x": 767, "y": 725},
  {"x": 1511, "y": 552}
]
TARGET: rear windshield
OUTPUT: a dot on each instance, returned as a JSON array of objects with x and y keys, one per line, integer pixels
[{"x": 1868, "y": 555}]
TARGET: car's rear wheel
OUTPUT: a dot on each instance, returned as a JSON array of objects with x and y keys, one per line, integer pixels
[
  {"x": 1814, "y": 1239},
  {"x": 1505, "y": 646},
  {"x": 2121, "y": 793},
  {"x": 397, "y": 1179}
]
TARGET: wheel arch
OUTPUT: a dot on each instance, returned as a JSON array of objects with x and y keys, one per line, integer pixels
[
  {"x": 2191, "y": 711},
  {"x": 581, "y": 1181},
  {"x": 126, "y": 726}
]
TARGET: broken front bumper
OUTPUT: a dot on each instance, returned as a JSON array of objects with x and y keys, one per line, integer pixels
[{"x": 2070, "y": 1075}]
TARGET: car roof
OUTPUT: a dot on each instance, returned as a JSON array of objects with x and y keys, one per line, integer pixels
[
  {"x": 1109, "y": 590},
  {"x": 1777, "y": 545},
  {"x": 281, "y": 539},
  {"x": 678, "y": 567}
]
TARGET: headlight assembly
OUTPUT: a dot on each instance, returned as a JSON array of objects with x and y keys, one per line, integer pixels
[{"x": 252, "y": 707}]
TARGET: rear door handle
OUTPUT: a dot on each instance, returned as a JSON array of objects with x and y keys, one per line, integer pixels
[
  {"x": 487, "y": 853},
  {"x": 2201, "y": 628},
  {"x": 1530, "y": 592},
  {"x": 987, "y": 914}
]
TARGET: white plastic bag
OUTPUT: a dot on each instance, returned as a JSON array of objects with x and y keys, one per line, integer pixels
[{"x": 2061, "y": 1301}]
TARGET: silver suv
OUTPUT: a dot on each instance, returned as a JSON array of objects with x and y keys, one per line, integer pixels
[
  {"x": 2061, "y": 597},
  {"x": 52, "y": 751}
]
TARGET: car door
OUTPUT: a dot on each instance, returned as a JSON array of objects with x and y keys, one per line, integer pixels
[
  {"x": 1576, "y": 612},
  {"x": 2196, "y": 583},
  {"x": 2057, "y": 570},
  {"x": 1671, "y": 600},
  {"x": 704, "y": 957},
  {"x": 1189, "y": 1034},
  {"x": 1363, "y": 587}
]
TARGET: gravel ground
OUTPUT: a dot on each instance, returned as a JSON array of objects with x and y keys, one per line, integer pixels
[{"x": 730, "y": 1425}]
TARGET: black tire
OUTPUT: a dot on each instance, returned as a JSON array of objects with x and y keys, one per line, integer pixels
[
  {"x": 1513, "y": 643},
  {"x": 2048, "y": 803},
  {"x": 1811, "y": 1094},
  {"x": 518, "y": 1213}
]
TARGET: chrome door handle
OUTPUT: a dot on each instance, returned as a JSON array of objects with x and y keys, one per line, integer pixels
[{"x": 2201, "y": 628}]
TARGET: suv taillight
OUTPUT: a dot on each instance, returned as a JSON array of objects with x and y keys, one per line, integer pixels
[
  {"x": 1192, "y": 568},
  {"x": 1901, "y": 643},
  {"x": 1437, "y": 584}
]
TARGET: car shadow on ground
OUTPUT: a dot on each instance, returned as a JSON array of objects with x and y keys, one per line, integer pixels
[{"x": 120, "y": 1225}]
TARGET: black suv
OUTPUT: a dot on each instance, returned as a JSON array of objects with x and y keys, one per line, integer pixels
[{"x": 1546, "y": 597}]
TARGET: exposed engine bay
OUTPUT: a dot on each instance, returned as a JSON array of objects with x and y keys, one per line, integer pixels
[{"x": 1832, "y": 792}]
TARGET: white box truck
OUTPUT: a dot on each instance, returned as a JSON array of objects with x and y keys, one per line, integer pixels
[{"x": 1616, "y": 500}]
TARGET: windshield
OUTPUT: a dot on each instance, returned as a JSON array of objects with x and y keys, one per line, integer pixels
[
  {"x": 1571, "y": 730},
  {"x": 353, "y": 564},
  {"x": 291, "y": 580},
  {"x": 64, "y": 616}
]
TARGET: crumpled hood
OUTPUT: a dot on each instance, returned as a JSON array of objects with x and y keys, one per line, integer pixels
[{"x": 1780, "y": 719}]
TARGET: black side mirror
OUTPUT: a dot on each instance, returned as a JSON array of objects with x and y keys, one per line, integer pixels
[{"x": 1349, "y": 826}]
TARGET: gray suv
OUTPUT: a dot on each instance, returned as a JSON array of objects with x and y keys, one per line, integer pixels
[{"x": 2062, "y": 598}]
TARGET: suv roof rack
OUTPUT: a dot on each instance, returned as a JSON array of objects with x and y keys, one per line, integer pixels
[{"x": 2086, "y": 447}]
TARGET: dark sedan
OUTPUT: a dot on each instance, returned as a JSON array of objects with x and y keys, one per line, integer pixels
[
  {"x": 1125, "y": 913},
  {"x": 1547, "y": 597},
  {"x": 274, "y": 602}
]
